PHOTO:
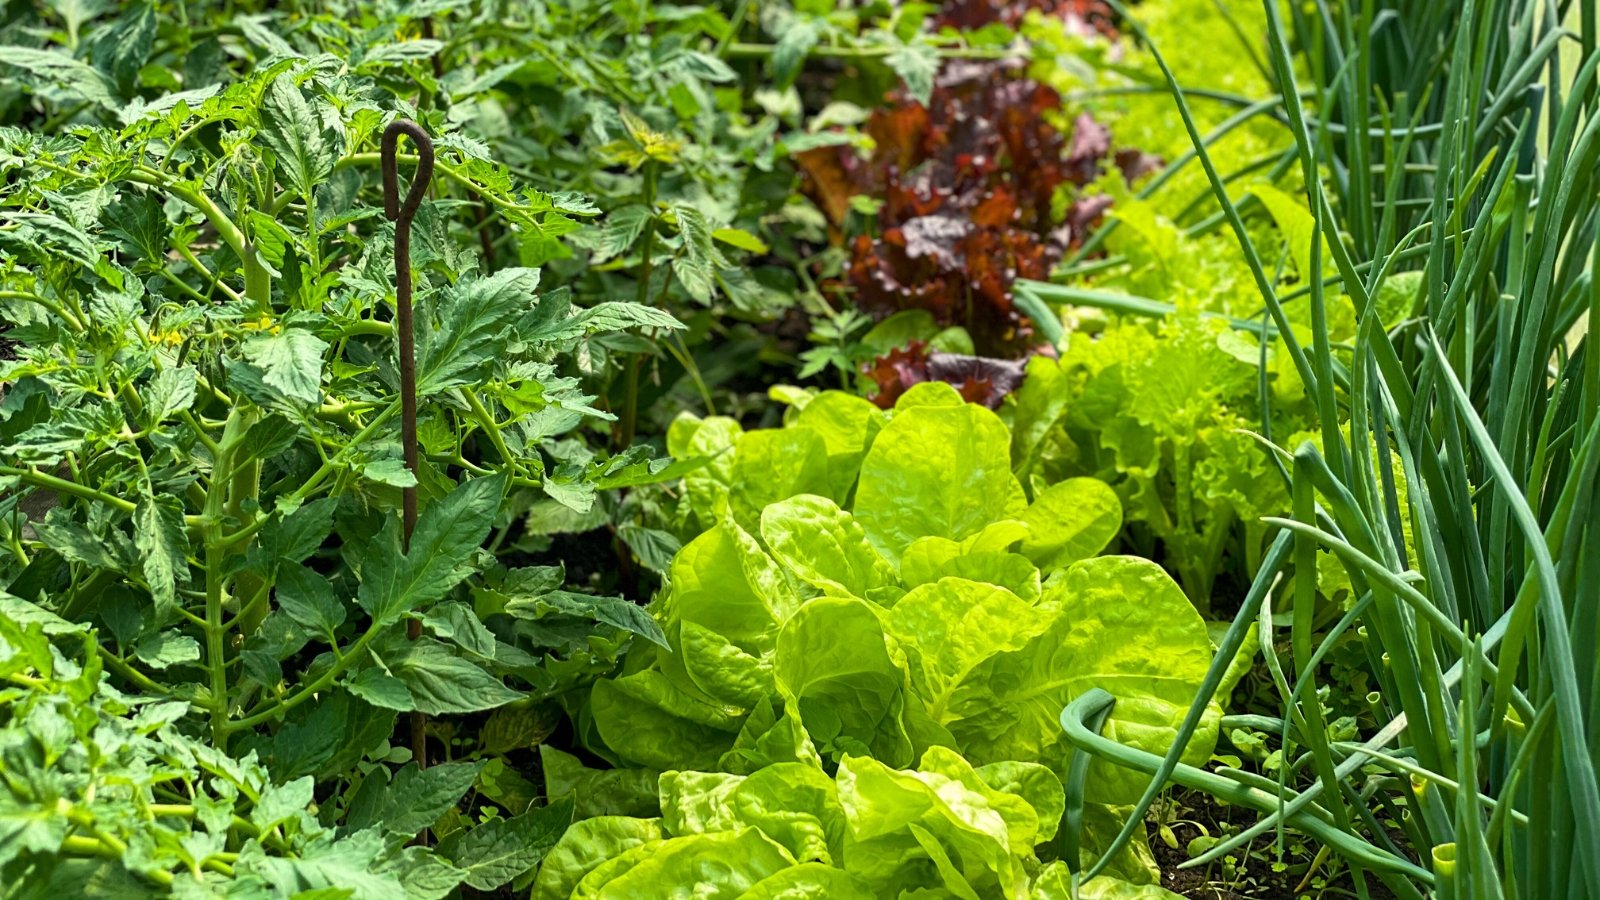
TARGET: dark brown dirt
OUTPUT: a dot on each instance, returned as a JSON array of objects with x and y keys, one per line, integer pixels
[{"x": 1253, "y": 876}]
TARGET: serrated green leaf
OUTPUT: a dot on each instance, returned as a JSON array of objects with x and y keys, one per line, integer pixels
[
  {"x": 279, "y": 803},
  {"x": 416, "y": 798},
  {"x": 622, "y": 228},
  {"x": 615, "y": 315},
  {"x": 65, "y": 536},
  {"x": 455, "y": 622},
  {"x": 59, "y": 72},
  {"x": 293, "y": 130},
  {"x": 653, "y": 471},
  {"x": 401, "y": 52},
  {"x": 738, "y": 237},
  {"x": 121, "y": 49},
  {"x": 162, "y": 649},
  {"x": 392, "y": 472},
  {"x": 163, "y": 547},
  {"x": 916, "y": 64},
  {"x": 349, "y": 864},
  {"x": 308, "y": 598},
  {"x": 473, "y": 320},
  {"x": 140, "y": 221},
  {"x": 653, "y": 547},
  {"x": 381, "y": 689},
  {"x": 448, "y": 534},
  {"x": 613, "y": 611},
  {"x": 498, "y": 851},
  {"x": 171, "y": 391},
  {"x": 290, "y": 362},
  {"x": 442, "y": 683},
  {"x": 23, "y": 613},
  {"x": 789, "y": 54},
  {"x": 293, "y": 538}
]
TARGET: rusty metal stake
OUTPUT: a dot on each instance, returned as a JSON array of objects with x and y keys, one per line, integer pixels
[{"x": 401, "y": 214}]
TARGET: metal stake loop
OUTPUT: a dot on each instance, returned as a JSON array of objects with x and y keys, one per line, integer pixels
[{"x": 402, "y": 214}]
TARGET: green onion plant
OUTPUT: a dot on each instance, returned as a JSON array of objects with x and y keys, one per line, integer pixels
[{"x": 1453, "y": 154}]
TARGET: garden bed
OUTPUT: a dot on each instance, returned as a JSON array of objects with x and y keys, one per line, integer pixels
[{"x": 788, "y": 450}]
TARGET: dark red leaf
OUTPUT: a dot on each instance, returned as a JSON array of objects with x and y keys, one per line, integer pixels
[
  {"x": 979, "y": 379},
  {"x": 1135, "y": 164},
  {"x": 969, "y": 187}
]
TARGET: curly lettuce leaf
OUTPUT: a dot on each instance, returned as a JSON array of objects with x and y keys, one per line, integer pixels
[
  {"x": 934, "y": 470},
  {"x": 1070, "y": 521},
  {"x": 705, "y": 490},
  {"x": 794, "y": 804},
  {"x": 951, "y": 627},
  {"x": 809, "y": 881},
  {"x": 825, "y": 547},
  {"x": 1122, "y": 625},
  {"x": 944, "y": 822},
  {"x": 646, "y": 719},
  {"x": 585, "y": 845},
  {"x": 833, "y": 665},
  {"x": 774, "y": 464},
  {"x": 719, "y": 866},
  {"x": 848, "y": 425}
]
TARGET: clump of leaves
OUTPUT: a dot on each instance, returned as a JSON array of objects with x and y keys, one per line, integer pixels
[
  {"x": 112, "y": 793},
  {"x": 202, "y": 478},
  {"x": 962, "y": 196},
  {"x": 867, "y": 591}
]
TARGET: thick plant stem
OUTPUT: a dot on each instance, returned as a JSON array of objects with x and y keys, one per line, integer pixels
[
  {"x": 257, "y": 281},
  {"x": 216, "y": 554},
  {"x": 244, "y": 486}
]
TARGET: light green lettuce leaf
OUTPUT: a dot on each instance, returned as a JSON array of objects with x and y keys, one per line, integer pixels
[
  {"x": 794, "y": 804},
  {"x": 722, "y": 614},
  {"x": 1134, "y": 864},
  {"x": 719, "y": 667},
  {"x": 926, "y": 555},
  {"x": 705, "y": 489},
  {"x": 833, "y": 665},
  {"x": 726, "y": 602},
  {"x": 1120, "y": 624},
  {"x": 929, "y": 559},
  {"x": 1242, "y": 662},
  {"x": 810, "y": 881},
  {"x": 584, "y": 846},
  {"x": 1055, "y": 883},
  {"x": 774, "y": 464},
  {"x": 996, "y": 537},
  {"x": 848, "y": 425},
  {"x": 1023, "y": 828},
  {"x": 1035, "y": 408},
  {"x": 824, "y": 546},
  {"x": 1034, "y": 783},
  {"x": 938, "y": 828},
  {"x": 720, "y": 866},
  {"x": 723, "y": 581},
  {"x": 951, "y": 627},
  {"x": 935, "y": 470},
  {"x": 598, "y": 792},
  {"x": 768, "y": 738},
  {"x": 1069, "y": 521},
  {"x": 646, "y": 719},
  {"x": 928, "y": 393}
]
